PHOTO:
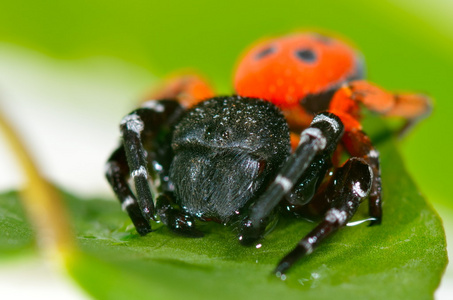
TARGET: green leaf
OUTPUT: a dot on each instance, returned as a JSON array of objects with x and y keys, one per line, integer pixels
[
  {"x": 403, "y": 258},
  {"x": 16, "y": 236}
]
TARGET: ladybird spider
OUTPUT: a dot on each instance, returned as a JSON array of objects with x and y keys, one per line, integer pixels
[{"x": 192, "y": 156}]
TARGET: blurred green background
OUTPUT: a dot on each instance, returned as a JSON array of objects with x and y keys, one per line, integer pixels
[{"x": 404, "y": 50}]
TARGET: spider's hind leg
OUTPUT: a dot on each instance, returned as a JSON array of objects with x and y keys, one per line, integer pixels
[{"x": 347, "y": 188}]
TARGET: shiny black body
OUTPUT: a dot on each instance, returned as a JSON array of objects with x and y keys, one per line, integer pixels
[
  {"x": 229, "y": 160},
  {"x": 218, "y": 167}
]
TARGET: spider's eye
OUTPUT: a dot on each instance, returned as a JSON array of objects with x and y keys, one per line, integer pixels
[
  {"x": 265, "y": 52},
  {"x": 306, "y": 55}
]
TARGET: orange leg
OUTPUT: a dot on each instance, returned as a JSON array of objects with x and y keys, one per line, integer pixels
[
  {"x": 188, "y": 89},
  {"x": 412, "y": 107}
]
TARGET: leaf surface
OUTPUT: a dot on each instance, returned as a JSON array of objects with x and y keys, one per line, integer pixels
[{"x": 403, "y": 258}]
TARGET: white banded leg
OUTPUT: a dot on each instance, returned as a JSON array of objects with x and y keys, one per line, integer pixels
[
  {"x": 321, "y": 137},
  {"x": 131, "y": 128},
  {"x": 347, "y": 188},
  {"x": 117, "y": 172},
  {"x": 130, "y": 159}
]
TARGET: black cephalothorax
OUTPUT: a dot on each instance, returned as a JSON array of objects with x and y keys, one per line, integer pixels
[{"x": 225, "y": 151}]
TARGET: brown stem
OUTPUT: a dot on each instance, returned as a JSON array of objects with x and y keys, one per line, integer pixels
[{"x": 42, "y": 202}]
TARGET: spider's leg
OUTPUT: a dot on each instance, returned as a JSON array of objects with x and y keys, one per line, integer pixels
[
  {"x": 189, "y": 89},
  {"x": 175, "y": 219},
  {"x": 144, "y": 126},
  {"x": 358, "y": 144},
  {"x": 309, "y": 183},
  {"x": 117, "y": 172},
  {"x": 321, "y": 137},
  {"x": 411, "y": 107},
  {"x": 349, "y": 185}
]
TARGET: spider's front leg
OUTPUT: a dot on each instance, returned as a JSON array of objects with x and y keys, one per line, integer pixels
[
  {"x": 151, "y": 126},
  {"x": 320, "y": 139},
  {"x": 175, "y": 219},
  {"x": 117, "y": 173},
  {"x": 347, "y": 188}
]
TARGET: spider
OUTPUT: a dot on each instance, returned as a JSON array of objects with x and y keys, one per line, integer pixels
[{"x": 239, "y": 159}]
